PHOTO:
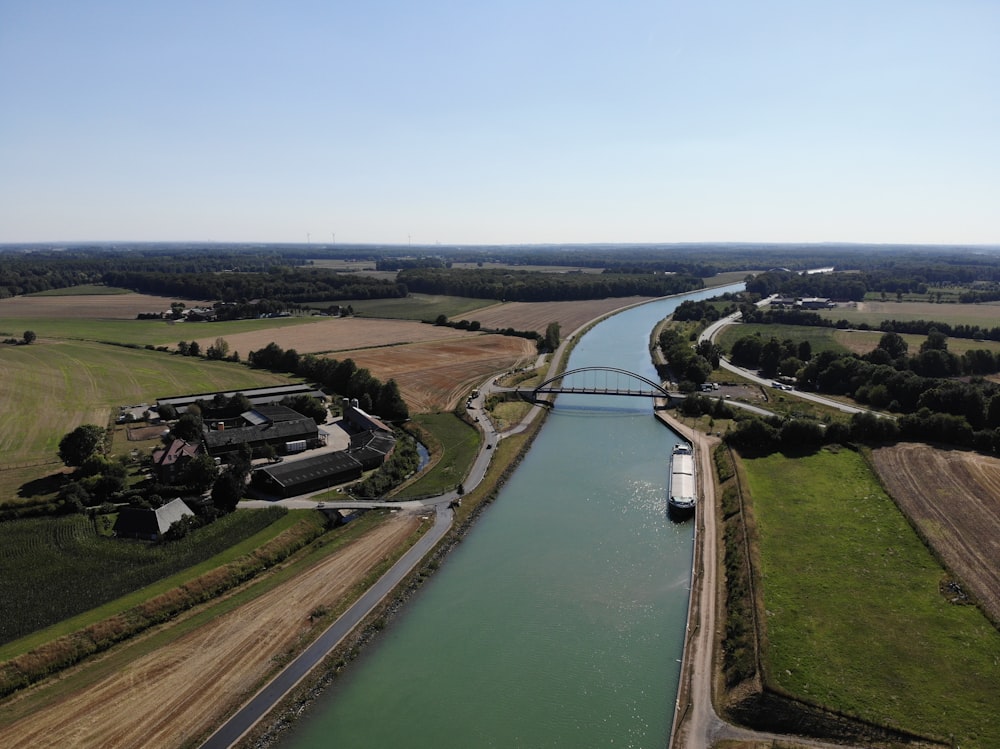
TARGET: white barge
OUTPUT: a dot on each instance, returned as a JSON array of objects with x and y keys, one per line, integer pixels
[{"x": 683, "y": 491}]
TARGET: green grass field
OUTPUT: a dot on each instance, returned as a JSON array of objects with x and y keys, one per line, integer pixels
[
  {"x": 56, "y": 568},
  {"x": 459, "y": 444},
  {"x": 138, "y": 332},
  {"x": 855, "y": 620},
  {"x": 85, "y": 290},
  {"x": 954, "y": 314},
  {"x": 821, "y": 339},
  {"x": 49, "y": 388}
]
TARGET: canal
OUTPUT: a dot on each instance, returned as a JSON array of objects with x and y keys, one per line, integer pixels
[{"x": 559, "y": 621}]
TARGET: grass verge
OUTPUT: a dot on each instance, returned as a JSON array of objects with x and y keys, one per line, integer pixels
[{"x": 458, "y": 442}]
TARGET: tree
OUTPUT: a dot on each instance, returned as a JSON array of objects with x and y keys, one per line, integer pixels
[
  {"x": 194, "y": 349},
  {"x": 29, "y": 336},
  {"x": 219, "y": 350},
  {"x": 550, "y": 341},
  {"x": 227, "y": 491},
  {"x": 199, "y": 473},
  {"x": 80, "y": 444},
  {"x": 894, "y": 344},
  {"x": 188, "y": 427}
]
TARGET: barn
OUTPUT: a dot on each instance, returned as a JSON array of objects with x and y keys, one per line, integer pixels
[{"x": 306, "y": 475}]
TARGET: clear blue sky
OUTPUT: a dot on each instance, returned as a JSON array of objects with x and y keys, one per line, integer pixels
[{"x": 502, "y": 122}]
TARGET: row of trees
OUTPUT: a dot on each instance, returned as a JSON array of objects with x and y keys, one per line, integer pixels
[
  {"x": 534, "y": 286},
  {"x": 342, "y": 377},
  {"x": 771, "y": 316},
  {"x": 282, "y": 284},
  {"x": 690, "y": 365},
  {"x": 923, "y": 385},
  {"x": 918, "y": 276}
]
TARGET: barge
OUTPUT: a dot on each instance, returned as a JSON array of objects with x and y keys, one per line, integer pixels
[{"x": 683, "y": 492}]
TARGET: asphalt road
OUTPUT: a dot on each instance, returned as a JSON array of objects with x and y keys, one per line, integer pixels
[{"x": 245, "y": 719}]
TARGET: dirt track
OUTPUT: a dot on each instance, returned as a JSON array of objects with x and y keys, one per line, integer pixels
[
  {"x": 208, "y": 672},
  {"x": 953, "y": 496}
]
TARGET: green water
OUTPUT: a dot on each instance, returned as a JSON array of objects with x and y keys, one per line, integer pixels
[{"x": 559, "y": 621}]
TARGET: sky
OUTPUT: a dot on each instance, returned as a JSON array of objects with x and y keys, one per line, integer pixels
[{"x": 507, "y": 122}]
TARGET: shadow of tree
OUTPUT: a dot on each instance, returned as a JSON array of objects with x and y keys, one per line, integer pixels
[{"x": 45, "y": 485}]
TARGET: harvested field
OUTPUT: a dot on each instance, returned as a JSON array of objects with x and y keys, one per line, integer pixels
[
  {"x": 331, "y": 335},
  {"x": 538, "y": 315},
  {"x": 90, "y": 306},
  {"x": 177, "y": 693},
  {"x": 953, "y": 497},
  {"x": 432, "y": 376}
]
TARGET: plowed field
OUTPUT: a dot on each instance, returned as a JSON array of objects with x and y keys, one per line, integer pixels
[
  {"x": 433, "y": 376},
  {"x": 953, "y": 496},
  {"x": 180, "y": 691},
  {"x": 334, "y": 335},
  {"x": 94, "y": 307}
]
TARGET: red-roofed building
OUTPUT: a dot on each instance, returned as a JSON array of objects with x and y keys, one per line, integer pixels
[{"x": 170, "y": 460}]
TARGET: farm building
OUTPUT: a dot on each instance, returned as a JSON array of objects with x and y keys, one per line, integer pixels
[
  {"x": 306, "y": 475},
  {"x": 169, "y": 461},
  {"x": 278, "y": 434},
  {"x": 371, "y": 448},
  {"x": 359, "y": 421},
  {"x": 257, "y": 396},
  {"x": 150, "y": 525}
]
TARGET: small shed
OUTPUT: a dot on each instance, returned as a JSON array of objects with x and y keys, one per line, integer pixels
[{"x": 149, "y": 524}]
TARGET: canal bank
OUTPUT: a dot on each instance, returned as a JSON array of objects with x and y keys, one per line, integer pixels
[{"x": 646, "y": 490}]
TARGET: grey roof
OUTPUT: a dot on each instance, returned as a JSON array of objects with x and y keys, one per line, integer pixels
[
  {"x": 147, "y": 523},
  {"x": 319, "y": 466},
  {"x": 275, "y": 412},
  {"x": 381, "y": 442},
  {"x": 170, "y": 513},
  {"x": 301, "y": 428}
]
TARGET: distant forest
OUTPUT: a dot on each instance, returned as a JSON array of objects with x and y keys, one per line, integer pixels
[{"x": 285, "y": 273}]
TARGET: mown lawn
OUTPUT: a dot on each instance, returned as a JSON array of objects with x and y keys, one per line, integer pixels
[
  {"x": 855, "y": 618},
  {"x": 459, "y": 444}
]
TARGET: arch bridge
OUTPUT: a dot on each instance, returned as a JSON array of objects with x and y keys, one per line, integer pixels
[{"x": 598, "y": 381}]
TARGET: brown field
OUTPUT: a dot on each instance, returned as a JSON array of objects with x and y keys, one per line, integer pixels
[
  {"x": 204, "y": 674},
  {"x": 92, "y": 307},
  {"x": 953, "y": 497},
  {"x": 538, "y": 315},
  {"x": 433, "y": 376},
  {"x": 331, "y": 335}
]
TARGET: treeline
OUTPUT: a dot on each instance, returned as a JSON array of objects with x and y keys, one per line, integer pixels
[
  {"x": 707, "y": 310},
  {"x": 691, "y": 365},
  {"x": 896, "y": 280},
  {"x": 534, "y": 286},
  {"x": 24, "y": 272},
  {"x": 341, "y": 377},
  {"x": 768, "y": 316},
  {"x": 922, "y": 386},
  {"x": 283, "y": 284},
  {"x": 760, "y": 435}
]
